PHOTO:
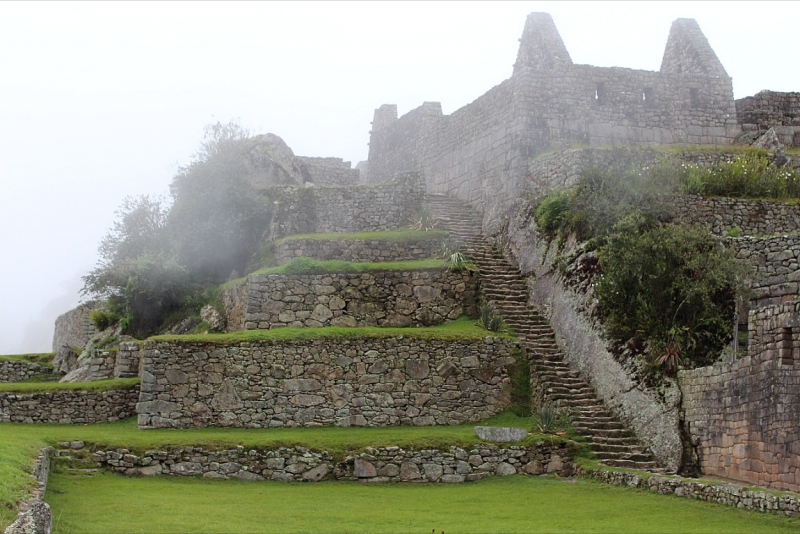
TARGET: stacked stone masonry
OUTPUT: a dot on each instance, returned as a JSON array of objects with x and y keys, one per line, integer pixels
[
  {"x": 725, "y": 494},
  {"x": 68, "y": 407},
  {"x": 743, "y": 415},
  {"x": 20, "y": 370},
  {"x": 34, "y": 516},
  {"x": 480, "y": 152},
  {"x": 771, "y": 109},
  {"x": 377, "y": 298},
  {"x": 100, "y": 364},
  {"x": 750, "y": 217},
  {"x": 776, "y": 261},
  {"x": 356, "y": 208},
  {"x": 329, "y": 171},
  {"x": 314, "y": 382},
  {"x": 384, "y": 464},
  {"x": 357, "y": 250}
]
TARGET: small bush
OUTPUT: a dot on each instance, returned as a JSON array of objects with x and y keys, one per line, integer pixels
[
  {"x": 552, "y": 212},
  {"x": 547, "y": 417},
  {"x": 102, "y": 319}
]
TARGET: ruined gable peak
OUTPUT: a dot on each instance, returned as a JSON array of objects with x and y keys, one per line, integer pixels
[
  {"x": 688, "y": 51},
  {"x": 541, "y": 47}
]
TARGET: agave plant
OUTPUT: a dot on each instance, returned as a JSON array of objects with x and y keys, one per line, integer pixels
[
  {"x": 489, "y": 319},
  {"x": 423, "y": 220},
  {"x": 454, "y": 258},
  {"x": 547, "y": 415}
]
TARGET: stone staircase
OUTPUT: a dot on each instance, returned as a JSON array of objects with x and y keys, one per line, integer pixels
[{"x": 503, "y": 285}]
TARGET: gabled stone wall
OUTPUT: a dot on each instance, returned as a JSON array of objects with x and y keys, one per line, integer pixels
[
  {"x": 422, "y": 297},
  {"x": 314, "y": 382}
]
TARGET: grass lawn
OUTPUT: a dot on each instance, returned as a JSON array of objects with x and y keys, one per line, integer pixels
[{"x": 103, "y": 502}]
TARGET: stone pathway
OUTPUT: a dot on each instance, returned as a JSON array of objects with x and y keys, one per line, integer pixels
[{"x": 503, "y": 286}]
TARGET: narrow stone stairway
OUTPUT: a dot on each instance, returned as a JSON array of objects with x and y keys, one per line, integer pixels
[{"x": 503, "y": 286}]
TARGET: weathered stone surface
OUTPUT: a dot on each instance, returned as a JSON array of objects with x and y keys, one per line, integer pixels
[
  {"x": 312, "y": 382},
  {"x": 504, "y": 469},
  {"x": 68, "y": 407},
  {"x": 500, "y": 434},
  {"x": 317, "y": 473},
  {"x": 364, "y": 469},
  {"x": 210, "y": 315}
]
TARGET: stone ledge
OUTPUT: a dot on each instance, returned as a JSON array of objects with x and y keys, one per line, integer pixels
[{"x": 34, "y": 516}]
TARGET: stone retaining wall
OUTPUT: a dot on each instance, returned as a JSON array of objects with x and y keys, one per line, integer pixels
[
  {"x": 69, "y": 407},
  {"x": 20, "y": 370},
  {"x": 357, "y": 250},
  {"x": 73, "y": 329},
  {"x": 384, "y": 464},
  {"x": 34, "y": 516},
  {"x": 725, "y": 494},
  {"x": 313, "y": 382},
  {"x": 751, "y": 217},
  {"x": 356, "y": 208},
  {"x": 772, "y": 109},
  {"x": 421, "y": 297},
  {"x": 101, "y": 364},
  {"x": 743, "y": 415},
  {"x": 776, "y": 261}
]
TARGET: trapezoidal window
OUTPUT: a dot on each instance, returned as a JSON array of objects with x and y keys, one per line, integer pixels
[
  {"x": 787, "y": 346},
  {"x": 599, "y": 92},
  {"x": 647, "y": 97},
  {"x": 694, "y": 98}
]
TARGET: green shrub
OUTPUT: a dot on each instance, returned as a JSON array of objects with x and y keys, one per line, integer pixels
[
  {"x": 454, "y": 258},
  {"x": 552, "y": 211},
  {"x": 423, "y": 220},
  {"x": 547, "y": 417},
  {"x": 102, "y": 319},
  {"x": 669, "y": 288}
]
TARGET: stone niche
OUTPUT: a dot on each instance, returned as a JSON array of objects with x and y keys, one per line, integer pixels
[
  {"x": 421, "y": 297},
  {"x": 325, "y": 381}
]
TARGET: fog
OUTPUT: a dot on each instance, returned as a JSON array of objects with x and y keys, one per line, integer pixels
[{"x": 105, "y": 100}]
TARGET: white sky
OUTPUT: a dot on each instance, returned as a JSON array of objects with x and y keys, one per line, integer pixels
[{"x": 101, "y": 100}]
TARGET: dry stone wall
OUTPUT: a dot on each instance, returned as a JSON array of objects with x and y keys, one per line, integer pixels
[
  {"x": 20, "y": 370},
  {"x": 357, "y": 250},
  {"x": 421, "y": 297},
  {"x": 384, "y": 464},
  {"x": 329, "y": 171},
  {"x": 68, "y": 407},
  {"x": 751, "y": 217},
  {"x": 771, "y": 109},
  {"x": 313, "y": 382},
  {"x": 776, "y": 261},
  {"x": 357, "y": 208},
  {"x": 725, "y": 494},
  {"x": 101, "y": 364},
  {"x": 743, "y": 415}
]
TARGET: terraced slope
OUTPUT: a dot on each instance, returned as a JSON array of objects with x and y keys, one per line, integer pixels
[{"x": 503, "y": 285}]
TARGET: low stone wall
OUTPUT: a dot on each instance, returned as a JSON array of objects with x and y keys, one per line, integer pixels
[
  {"x": 34, "y": 516},
  {"x": 100, "y": 364},
  {"x": 314, "y": 382},
  {"x": 20, "y": 370},
  {"x": 384, "y": 464},
  {"x": 725, "y": 494},
  {"x": 776, "y": 261},
  {"x": 743, "y": 415},
  {"x": 68, "y": 407},
  {"x": 751, "y": 217},
  {"x": 421, "y": 297},
  {"x": 357, "y": 250}
]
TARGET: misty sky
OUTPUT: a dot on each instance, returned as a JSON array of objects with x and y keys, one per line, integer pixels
[{"x": 104, "y": 100}]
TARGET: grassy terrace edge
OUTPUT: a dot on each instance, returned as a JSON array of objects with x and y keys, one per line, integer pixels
[
  {"x": 462, "y": 329},
  {"x": 48, "y": 387},
  {"x": 43, "y": 358}
]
